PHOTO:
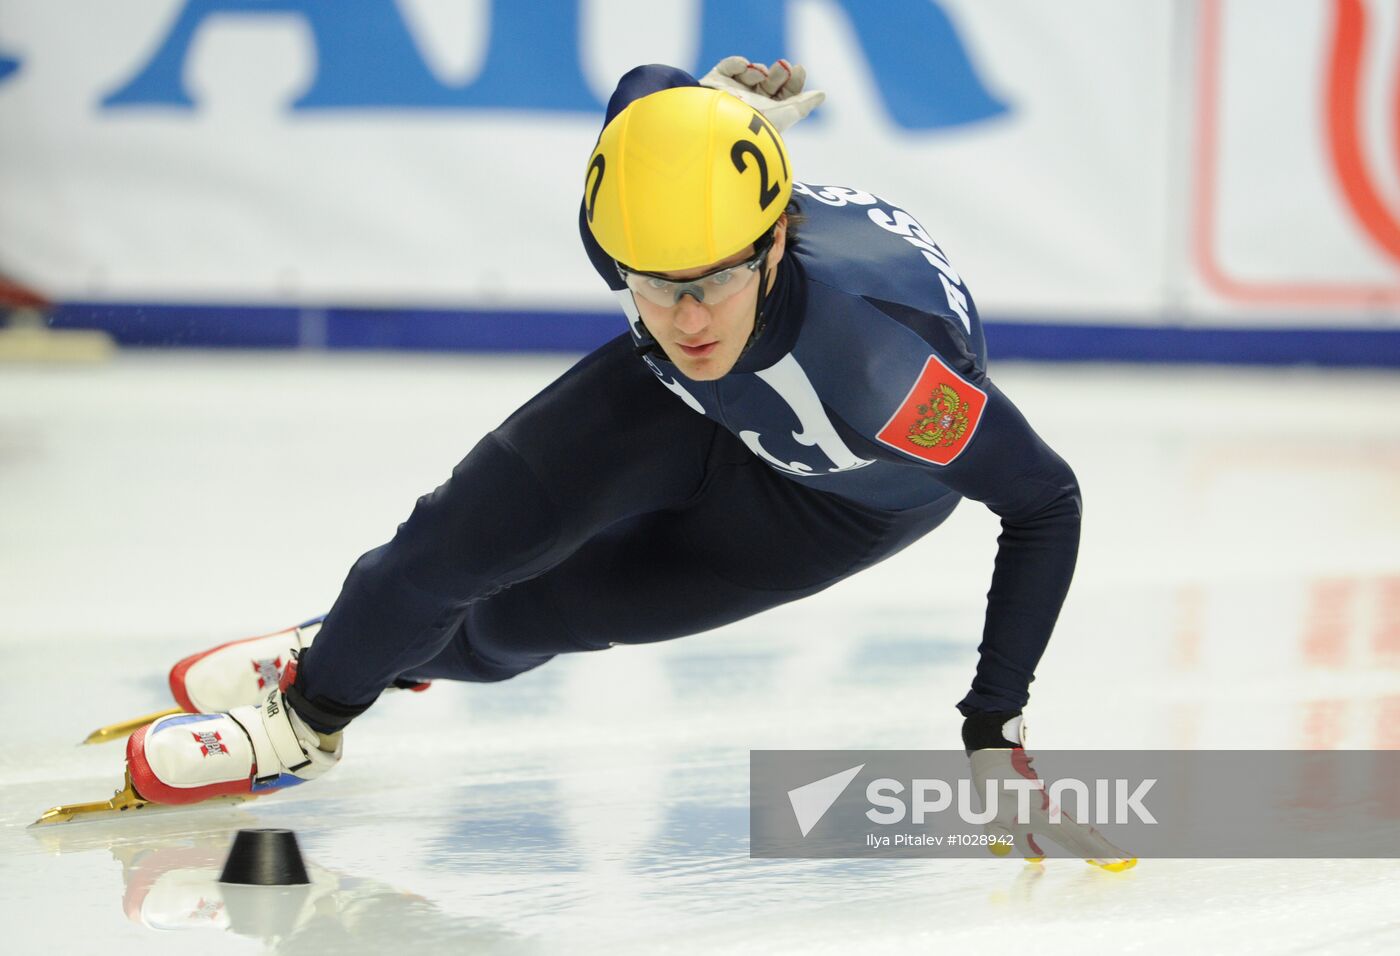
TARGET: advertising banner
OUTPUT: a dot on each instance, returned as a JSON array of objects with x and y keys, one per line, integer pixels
[{"x": 1216, "y": 163}]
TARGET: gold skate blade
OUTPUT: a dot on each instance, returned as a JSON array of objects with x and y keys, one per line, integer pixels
[
  {"x": 125, "y": 799},
  {"x": 127, "y": 727}
]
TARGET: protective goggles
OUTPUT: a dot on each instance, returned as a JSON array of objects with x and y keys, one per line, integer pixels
[{"x": 710, "y": 288}]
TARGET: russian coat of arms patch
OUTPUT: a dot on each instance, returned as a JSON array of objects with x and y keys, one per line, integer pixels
[{"x": 938, "y": 416}]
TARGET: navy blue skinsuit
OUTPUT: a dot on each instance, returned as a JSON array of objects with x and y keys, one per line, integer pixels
[{"x": 627, "y": 504}]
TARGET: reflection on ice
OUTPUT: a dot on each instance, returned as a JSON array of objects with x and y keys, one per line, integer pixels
[
  {"x": 1232, "y": 592},
  {"x": 172, "y": 883}
]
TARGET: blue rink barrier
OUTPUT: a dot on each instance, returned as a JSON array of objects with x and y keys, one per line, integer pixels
[{"x": 440, "y": 330}]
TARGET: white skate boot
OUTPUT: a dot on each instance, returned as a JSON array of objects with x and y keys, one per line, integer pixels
[
  {"x": 234, "y": 674},
  {"x": 238, "y": 673},
  {"x": 186, "y": 758}
]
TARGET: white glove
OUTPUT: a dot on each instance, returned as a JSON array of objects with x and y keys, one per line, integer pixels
[
  {"x": 775, "y": 91},
  {"x": 1006, "y": 759}
]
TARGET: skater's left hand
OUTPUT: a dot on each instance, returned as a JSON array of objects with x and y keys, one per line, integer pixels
[
  {"x": 775, "y": 91},
  {"x": 996, "y": 748}
]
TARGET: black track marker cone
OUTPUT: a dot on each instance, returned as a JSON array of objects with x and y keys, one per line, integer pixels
[{"x": 264, "y": 858}]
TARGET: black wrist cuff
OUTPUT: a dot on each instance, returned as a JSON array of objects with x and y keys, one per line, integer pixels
[
  {"x": 322, "y": 715},
  {"x": 983, "y": 731}
]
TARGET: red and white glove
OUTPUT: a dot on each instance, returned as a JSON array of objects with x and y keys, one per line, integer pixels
[
  {"x": 995, "y": 745},
  {"x": 775, "y": 91}
]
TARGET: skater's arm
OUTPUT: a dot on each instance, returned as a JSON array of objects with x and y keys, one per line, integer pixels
[
  {"x": 942, "y": 412},
  {"x": 643, "y": 81},
  {"x": 1007, "y": 467}
]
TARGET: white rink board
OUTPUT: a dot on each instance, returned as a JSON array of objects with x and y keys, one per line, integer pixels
[{"x": 308, "y": 166}]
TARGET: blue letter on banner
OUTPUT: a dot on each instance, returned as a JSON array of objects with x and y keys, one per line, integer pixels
[
  {"x": 920, "y": 64},
  {"x": 366, "y": 58}
]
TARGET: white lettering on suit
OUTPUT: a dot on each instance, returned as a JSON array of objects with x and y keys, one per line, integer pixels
[
  {"x": 787, "y": 378},
  {"x": 675, "y": 386}
]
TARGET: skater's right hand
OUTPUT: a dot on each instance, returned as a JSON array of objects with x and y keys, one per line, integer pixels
[
  {"x": 996, "y": 749},
  {"x": 775, "y": 91}
]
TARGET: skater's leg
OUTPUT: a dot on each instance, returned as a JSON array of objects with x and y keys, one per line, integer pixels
[
  {"x": 753, "y": 540},
  {"x": 603, "y": 443}
]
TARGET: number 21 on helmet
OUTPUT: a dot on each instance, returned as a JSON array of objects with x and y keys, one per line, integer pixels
[{"x": 683, "y": 178}]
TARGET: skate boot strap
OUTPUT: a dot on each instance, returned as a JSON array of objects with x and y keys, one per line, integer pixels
[{"x": 279, "y": 746}]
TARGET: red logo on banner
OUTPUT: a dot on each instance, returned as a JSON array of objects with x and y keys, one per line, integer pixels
[
  {"x": 1344, "y": 133},
  {"x": 938, "y": 417},
  {"x": 1351, "y": 129}
]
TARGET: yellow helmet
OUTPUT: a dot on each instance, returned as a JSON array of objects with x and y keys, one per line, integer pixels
[{"x": 683, "y": 178}]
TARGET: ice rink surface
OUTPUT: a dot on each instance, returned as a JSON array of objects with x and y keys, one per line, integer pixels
[{"x": 1238, "y": 587}]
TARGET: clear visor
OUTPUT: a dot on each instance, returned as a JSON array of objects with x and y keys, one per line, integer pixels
[{"x": 710, "y": 288}]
